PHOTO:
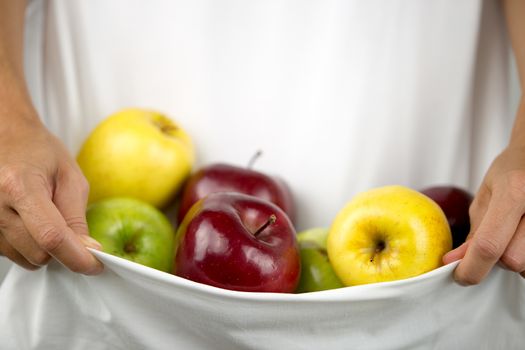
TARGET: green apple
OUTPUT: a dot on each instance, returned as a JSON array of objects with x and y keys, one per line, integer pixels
[
  {"x": 133, "y": 230},
  {"x": 316, "y": 271},
  {"x": 136, "y": 153},
  {"x": 388, "y": 233}
]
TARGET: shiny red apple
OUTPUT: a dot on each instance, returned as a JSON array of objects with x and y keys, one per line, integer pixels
[
  {"x": 239, "y": 242},
  {"x": 455, "y": 203},
  {"x": 229, "y": 178}
]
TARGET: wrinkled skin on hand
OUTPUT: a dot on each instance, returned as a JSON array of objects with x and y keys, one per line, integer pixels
[
  {"x": 497, "y": 221},
  {"x": 43, "y": 198}
]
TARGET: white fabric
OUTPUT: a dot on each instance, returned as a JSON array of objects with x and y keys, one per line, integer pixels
[
  {"x": 5, "y": 264},
  {"x": 341, "y": 96},
  {"x": 134, "y": 307}
]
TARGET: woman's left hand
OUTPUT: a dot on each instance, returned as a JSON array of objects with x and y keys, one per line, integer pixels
[{"x": 497, "y": 221}]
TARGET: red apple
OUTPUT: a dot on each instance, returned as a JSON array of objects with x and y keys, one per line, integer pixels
[
  {"x": 229, "y": 178},
  {"x": 455, "y": 202},
  {"x": 239, "y": 242}
]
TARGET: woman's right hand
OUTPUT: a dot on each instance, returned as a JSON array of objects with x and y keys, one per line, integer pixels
[{"x": 43, "y": 198}]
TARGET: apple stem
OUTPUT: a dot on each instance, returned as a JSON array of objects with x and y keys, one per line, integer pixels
[
  {"x": 130, "y": 248},
  {"x": 271, "y": 220},
  {"x": 254, "y": 158},
  {"x": 165, "y": 126},
  {"x": 168, "y": 129},
  {"x": 379, "y": 248}
]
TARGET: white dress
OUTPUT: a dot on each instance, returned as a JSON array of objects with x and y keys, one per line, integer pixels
[{"x": 341, "y": 96}]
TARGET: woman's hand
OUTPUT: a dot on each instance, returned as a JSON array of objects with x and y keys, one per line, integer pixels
[
  {"x": 43, "y": 197},
  {"x": 497, "y": 213},
  {"x": 497, "y": 221}
]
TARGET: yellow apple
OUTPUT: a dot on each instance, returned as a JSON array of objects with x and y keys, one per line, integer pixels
[
  {"x": 386, "y": 234},
  {"x": 136, "y": 153}
]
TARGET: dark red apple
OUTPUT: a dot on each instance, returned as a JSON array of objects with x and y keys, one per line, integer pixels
[
  {"x": 455, "y": 203},
  {"x": 239, "y": 242},
  {"x": 229, "y": 178}
]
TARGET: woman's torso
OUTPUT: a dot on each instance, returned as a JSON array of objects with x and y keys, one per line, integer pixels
[{"x": 341, "y": 96}]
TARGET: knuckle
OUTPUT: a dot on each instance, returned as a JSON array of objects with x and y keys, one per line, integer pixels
[
  {"x": 513, "y": 262},
  {"x": 11, "y": 182},
  {"x": 50, "y": 238},
  {"x": 469, "y": 279},
  {"x": 77, "y": 223},
  {"x": 83, "y": 186},
  {"x": 76, "y": 179},
  {"x": 516, "y": 184},
  {"x": 487, "y": 249}
]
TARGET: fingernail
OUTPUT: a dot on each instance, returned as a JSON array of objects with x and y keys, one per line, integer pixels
[
  {"x": 91, "y": 243},
  {"x": 98, "y": 268},
  {"x": 448, "y": 258},
  {"x": 458, "y": 280},
  {"x": 461, "y": 283}
]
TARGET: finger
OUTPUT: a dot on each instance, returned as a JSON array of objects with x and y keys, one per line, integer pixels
[
  {"x": 49, "y": 229},
  {"x": 477, "y": 210},
  {"x": 514, "y": 256},
  {"x": 15, "y": 233},
  {"x": 9, "y": 252},
  {"x": 455, "y": 254},
  {"x": 490, "y": 240},
  {"x": 71, "y": 196}
]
